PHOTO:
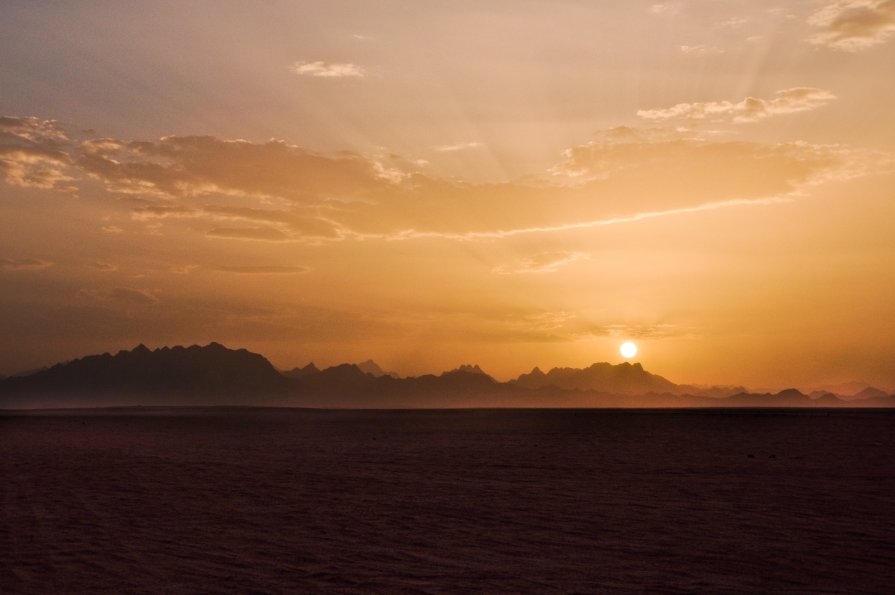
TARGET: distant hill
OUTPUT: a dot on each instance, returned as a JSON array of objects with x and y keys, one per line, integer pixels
[
  {"x": 870, "y": 393},
  {"x": 851, "y": 390},
  {"x": 215, "y": 375},
  {"x": 785, "y": 398},
  {"x": 826, "y": 400}
]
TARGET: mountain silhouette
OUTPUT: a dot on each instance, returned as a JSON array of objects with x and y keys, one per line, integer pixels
[
  {"x": 215, "y": 375},
  {"x": 467, "y": 377},
  {"x": 826, "y": 399},
  {"x": 786, "y": 398},
  {"x": 470, "y": 369},
  {"x": 371, "y": 367},
  {"x": 623, "y": 379},
  {"x": 199, "y": 372},
  {"x": 308, "y": 370},
  {"x": 869, "y": 393},
  {"x": 340, "y": 378}
]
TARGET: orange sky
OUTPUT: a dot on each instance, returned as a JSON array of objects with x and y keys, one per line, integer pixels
[{"x": 426, "y": 184}]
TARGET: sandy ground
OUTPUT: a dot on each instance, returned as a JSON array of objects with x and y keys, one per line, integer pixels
[{"x": 253, "y": 501}]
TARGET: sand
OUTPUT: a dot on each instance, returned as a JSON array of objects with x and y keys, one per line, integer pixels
[{"x": 269, "y": 501}]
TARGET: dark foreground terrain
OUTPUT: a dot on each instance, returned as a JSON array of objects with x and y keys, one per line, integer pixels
[{"x": 277, "y": 500}]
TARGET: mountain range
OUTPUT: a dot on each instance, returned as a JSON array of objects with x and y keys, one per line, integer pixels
[{"x": 215, "y": 375}]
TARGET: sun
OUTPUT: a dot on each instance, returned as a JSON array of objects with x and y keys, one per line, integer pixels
[{"x": 628, "y": 350}]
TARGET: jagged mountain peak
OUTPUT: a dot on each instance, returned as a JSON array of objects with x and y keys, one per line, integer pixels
[
  {"x": 624, "y": 378},
  {"x": 470, "y": 369}
]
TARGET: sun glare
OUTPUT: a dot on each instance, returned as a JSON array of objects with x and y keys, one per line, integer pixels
[{"x": 628, "y": 349}]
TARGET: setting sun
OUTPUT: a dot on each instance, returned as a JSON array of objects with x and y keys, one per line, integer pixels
[{"x": 628, "y": 350}]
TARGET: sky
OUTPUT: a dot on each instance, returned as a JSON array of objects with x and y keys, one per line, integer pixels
[{"x": 428, "y": 183}]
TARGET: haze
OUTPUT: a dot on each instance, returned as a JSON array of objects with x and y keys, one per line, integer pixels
[{"x": 426, "y": 184}]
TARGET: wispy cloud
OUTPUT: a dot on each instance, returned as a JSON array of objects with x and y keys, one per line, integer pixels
[
  {"x": 852, "y": 25},
  {"x": 263, "y": 234},
  {"x": 781, "y": 12},
  {"x": 582, "y": 225},
  {"x": 124, "y": 295},
  {"x": 457, "y": 147},
  {"x": 547, "y": 262},
  {"x": 265, "y": 270},
  {"x": 104, "y": 266},
  {"x": 700, "y": 50},
  {"x": 732, "y": 23},
  {"x": 644, "y": 331},
  {"x": 750, "y": 109},
  {"x": 24, "y": 264},
  {"x": 278, "y": 224},
  {"x": 665, "y": 8},
  {"x": 184, "y": 269},
  {"x": 328, "y": 69}
]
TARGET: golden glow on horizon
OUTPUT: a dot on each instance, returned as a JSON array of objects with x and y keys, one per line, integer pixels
[{"x": 709, "y": 178}]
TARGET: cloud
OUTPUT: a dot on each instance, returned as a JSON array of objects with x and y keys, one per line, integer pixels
[
  {"x": 132, "y": 296},
  {"x": 24, "y": 264},
  {"x": 277, "y": 192},
  {"x": 700, "y": 50},
  {"x": 732, "y": 22},
  {"x": 781, "y": 12},
  {"x": 627, "y": 175},
  {"x": 644, "y": 331},
  {"x": 104, "y": 266},
  {"x": 265, "y": 270},
  {"x": 547, "y": 262},
  {"x": 457, "y": 147},
  {"x": 189, "y": 166},
  {"x": 184, "y": 269},
  {"x": 328, "y": 69},
  {"x": 666, "y": 8},
  {"x": 124, "y": 295},
  {"x": 750, "y": 109},
  {"x": 263, "y": 234},
  {"x": 624, "y": 177},
  {"x": 547, "y": 326},
  {"x": 32, "y": 153},
  {"x": 31, "y": 129},
  {"x": 282, "y": 225},
  {"x": 852, "y": 25}
]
